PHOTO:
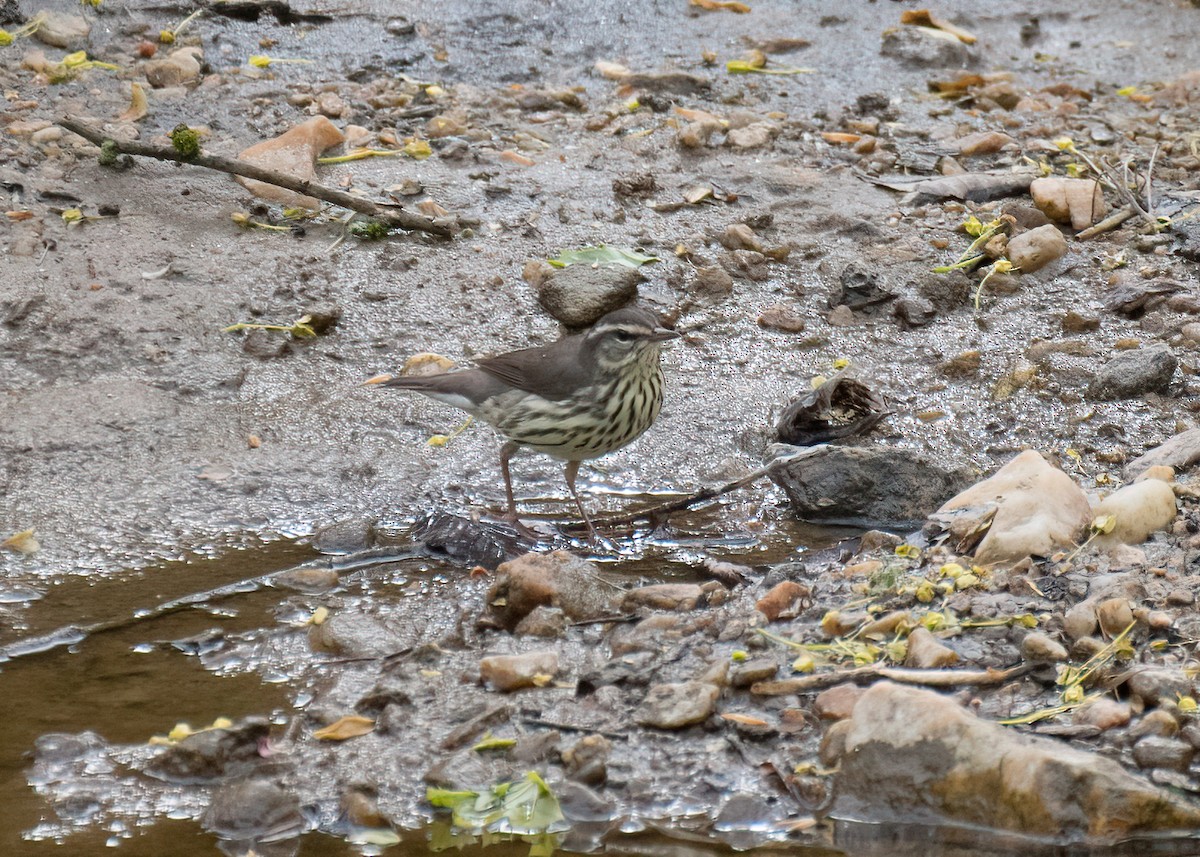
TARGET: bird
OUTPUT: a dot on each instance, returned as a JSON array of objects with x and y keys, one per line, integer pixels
[{"x": 578, "y": 398}]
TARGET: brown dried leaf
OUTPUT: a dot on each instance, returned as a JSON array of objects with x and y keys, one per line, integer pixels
[
  {"x": 744, "y": 719},
  {"x": 925, "y": 18},
  {"x": 350, "y": 726},
  {"x": 719, "y": 5},
  {"x": 138, "y": 106},
  {"x": 22, "y": 542}
]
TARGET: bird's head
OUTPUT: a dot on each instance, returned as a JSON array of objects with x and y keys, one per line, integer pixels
[{"x": 626, "y": 337}]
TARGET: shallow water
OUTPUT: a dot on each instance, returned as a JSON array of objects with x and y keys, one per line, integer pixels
[{"x": 111, "y": 655}]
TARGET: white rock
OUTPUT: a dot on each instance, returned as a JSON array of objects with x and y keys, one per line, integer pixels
[
  {"x": 1140, "y": 509},
  {"x": 1035, "y": 510},
  {"x": 513, "y": 672}
]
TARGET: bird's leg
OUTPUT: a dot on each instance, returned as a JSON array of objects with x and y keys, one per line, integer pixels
[
  {"x": 506, "y": 452},
  {"x": 571, "y": 470}
]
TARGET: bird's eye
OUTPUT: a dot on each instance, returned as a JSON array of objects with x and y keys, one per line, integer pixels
[{"x": 623, "y": 336}]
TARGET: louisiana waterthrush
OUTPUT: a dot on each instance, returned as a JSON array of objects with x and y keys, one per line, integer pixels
[{"x": 581, "y": 397}]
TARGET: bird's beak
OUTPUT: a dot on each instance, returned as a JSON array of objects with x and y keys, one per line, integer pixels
[{"x": 663, "y": 334}]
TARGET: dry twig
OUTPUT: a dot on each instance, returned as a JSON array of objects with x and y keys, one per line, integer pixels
[{"x": 391, "y": 215}]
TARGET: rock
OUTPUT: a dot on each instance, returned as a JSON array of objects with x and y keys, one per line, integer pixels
[
  {"x": 669, "y": 81},
  {"x": 837, "y": 702},
  {"x": 578, "y": 295},
  {"x": 1156, "y": 721},
  {"x": 712, "y": 282},
  {"x": 292, "y": 153},
  {"x": 983, "y": 143},
  {"x": 696, "y": 135},
  {"x": 753, "y": 136},
  {"x": 330, "y": 104},
  {"x": 175, "y": 69},
  {"x": 674, "y": 706},
  {"x": 307, "y": 580},
  {"x": 47, "y": 135},
  {"x": 866, "y": 486},
  {"x": 1080, "y": 621},
  {"x": 355, "y": 634},
  {"x": 916, "y": 757},
  {"x": 60, "y": 30},
  {"x": 1154, "y": 751},
  {"x": 925, "y": 47},
  {"x": 1104, "y": 714},
  {"x": 1034, "y": 508},
  {"x": 1155, "y": 685},
  {"x": 1133, "y": 373},
  {"x": 542, "y": 621},
  {"x": 914, "y": 311},
  {"x": 1037, "y": 647},
  {"x": 212, "y": 753},
  {"x": 450, "y": 124},
  {"x": 1140, "y": 509},
  {"x": 254, "y": 809},
  {"x": 833, "y": 743},
  {"x": 664, "y": 596},
  {"x": 507, "y": 673},
  {"x": 739, "y": 236},
  {"x": 964, "y": 365},
  {"x": 559, "y": 579},
  {"x": 636, "y": 185},
  {"x": 782, "y": 318},
  {"x": 1114, "y": 615},
  {"x": 1033, "y": 250},
  {"x": 859, "y": 287},
  {"x": 1073, "y": 322},
  {"x": 585, "y": 761},
  {"x": 1079, "y": 202},
  {"x": 925, "y": 652},
  {"x": 785, "y": 600},
  {"x": 1179, "y": 452},
  {"x": 751, "y": 671}
]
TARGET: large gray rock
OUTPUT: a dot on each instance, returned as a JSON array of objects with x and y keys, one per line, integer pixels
[
  {"x": 1180, "y": 452},
  {"x": 578, "y": 295},
  {"x": 866, "y": 486},
  {"x": 915, "y": 756},
  {"x": 1132, "y": 373}
]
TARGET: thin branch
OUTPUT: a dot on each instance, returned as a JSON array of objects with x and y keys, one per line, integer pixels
[
  {"x": 1111, "y": 222},
  {"x": 392, "y": 215},
  {"x": 652, "y": 513},
  {"x": 1150, "y": 180},
  {"x": 903, "y": 675}
]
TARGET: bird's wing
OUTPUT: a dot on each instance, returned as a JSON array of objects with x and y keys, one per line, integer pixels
[{"x": 552, "y": 371}]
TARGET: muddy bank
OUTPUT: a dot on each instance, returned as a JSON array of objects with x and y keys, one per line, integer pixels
[{"x": 134, "y": 428}]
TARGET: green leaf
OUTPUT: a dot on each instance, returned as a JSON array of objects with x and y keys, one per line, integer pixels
[
  {"x": 602, "y": 255},
  {"x": 490, "y": 743},
  {"x": 524, "y": 807}
]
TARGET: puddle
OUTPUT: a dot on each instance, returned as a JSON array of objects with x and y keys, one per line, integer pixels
[{"x": 115, "y": 656}]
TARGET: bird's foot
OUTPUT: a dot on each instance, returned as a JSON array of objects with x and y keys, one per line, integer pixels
[{"x": 523, "y": 531}]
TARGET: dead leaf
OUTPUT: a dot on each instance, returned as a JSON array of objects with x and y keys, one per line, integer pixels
[
  {"x": 958, "y": 86},
  {"x": 431, "y": 209},
  {"x": 744, "y": 720},
  {"x": 925, "y": 18},
  {"x": 138, "y": 106},
  {"x": 22, "y": 542},
  {"x": 719, "y": 5},
  {"x": 841, "y": 138},
  {"x": 973, "y": 187},
  {"x": 693, "y": 115},
  {"x": 514, "y": 157},
  {"x": 611, "y": 70},
  {"x": 350, "y": 726}
]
